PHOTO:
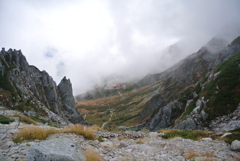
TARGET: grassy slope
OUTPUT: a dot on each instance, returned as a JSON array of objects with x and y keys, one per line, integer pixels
[{"x": 223, "y": 92}]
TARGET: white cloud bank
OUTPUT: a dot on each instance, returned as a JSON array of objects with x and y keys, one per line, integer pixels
[{"x": 88, "y": 40}]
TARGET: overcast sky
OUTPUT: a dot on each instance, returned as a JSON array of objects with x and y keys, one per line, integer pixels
[{"x": 88, "y": 40}]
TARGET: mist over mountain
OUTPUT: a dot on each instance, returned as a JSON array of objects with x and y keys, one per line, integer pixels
[{"x": 90, "y": 40}]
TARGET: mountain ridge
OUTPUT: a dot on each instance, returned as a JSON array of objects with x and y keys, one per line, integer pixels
[
  {"x": 33, "y": 92},
  {"x": 150, "y": 95}
]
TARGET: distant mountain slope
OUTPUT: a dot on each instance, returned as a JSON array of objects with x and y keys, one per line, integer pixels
[
  {"x": 25, "y": 88},
  {"x": 193, "y": 72},
  {"x": 170, "y": 98}
]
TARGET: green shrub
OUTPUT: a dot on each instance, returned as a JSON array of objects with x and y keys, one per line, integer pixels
[
  {"x": 4, "y": 83},
  {"x": 5, "y": 120},
  {"x": 192, "y": 134}
]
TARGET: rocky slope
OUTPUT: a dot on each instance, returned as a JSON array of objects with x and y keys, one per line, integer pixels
[
  {"x": 25, "y": 88},
  {"x": 189, "y": 95},
  {"x": 138, "y": 146},
  {"x": 205, "y": 95}
]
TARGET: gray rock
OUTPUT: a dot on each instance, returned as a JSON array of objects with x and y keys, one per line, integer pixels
[
  {"x": 37, "y": 90},
  {"x": 106, "y": 144},
  {"x": 165, "y": 115},
  {"x": 122, "y": 144},
  {"x": 196, "y": 110},
  {"x": 235, "y": 145},
  {"x": 225, "y": 134},
  {"x": 7, "y": 145},
  {"x": 206, "y": 139},
  {"x": 55, "y": 150},
  {"x": 68, "y": 102},
  {"x": 204, "y": 115},
  {"x": 188, "y": 124}
]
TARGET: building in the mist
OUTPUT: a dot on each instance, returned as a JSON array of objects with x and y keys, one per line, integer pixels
[{"x": 115, "y": 86}]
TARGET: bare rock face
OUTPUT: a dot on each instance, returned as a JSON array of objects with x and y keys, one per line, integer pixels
[
  {"x": 165, "y": 116},
  {"x": 54, "y": 150},
  {"x": 188, "y": 124},
  {"x": 35, "y": 93},
  {"x": 68, "y": 102}
]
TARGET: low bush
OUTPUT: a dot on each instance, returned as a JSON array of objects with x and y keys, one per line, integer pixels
[
  {"x": 165, "y": 131},
  {"x": 100, "y": 139},
  {"x": 5, "y": 120},
  {"x": 194, "y": 135}
]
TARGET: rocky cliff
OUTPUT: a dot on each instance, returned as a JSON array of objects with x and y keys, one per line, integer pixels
[
  {"x": 33, "y": 92},
  {"x": 204, "y": 84}
]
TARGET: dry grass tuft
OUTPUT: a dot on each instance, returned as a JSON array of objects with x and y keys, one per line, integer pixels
[
  {"x": 165, "y": 131},
  {"x": 140, "y": 142},
  {"x": 208, "y": 154},
  {"x": 96, "y": 128},
  {"x": 191, "y": 154},
  {"x": 31, "y": 132},
  {"x": 121, "y": 137},
  {"x": 26, "y": 119},
  {"x": 145, "y": 130},
  {"x": 78, "y": 129},
  {"x": 91, "y": 155}
]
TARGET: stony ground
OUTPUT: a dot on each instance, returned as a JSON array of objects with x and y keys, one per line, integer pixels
[{"x": 123, "y": 146}]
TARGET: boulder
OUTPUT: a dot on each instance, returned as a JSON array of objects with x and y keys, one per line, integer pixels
[
  {"x": 188, "y": 124},
  {"x": 55, "y": 150},
  {"x": 107, "y": 144},
  {"x": 235, "y": 145},
  {"x": 206, "y": 139}
]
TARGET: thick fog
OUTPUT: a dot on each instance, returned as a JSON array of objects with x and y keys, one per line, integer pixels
[{"x": 92, "y": 41}]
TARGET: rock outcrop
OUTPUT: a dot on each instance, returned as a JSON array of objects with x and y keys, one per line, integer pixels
[
  {"x": 55, "y": 150},
  {"x": 25, "y": 88},
  {"x": 165, "y": 116},
  {"x": 199, "y": 79}
]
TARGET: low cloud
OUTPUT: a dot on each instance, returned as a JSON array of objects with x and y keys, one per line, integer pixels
[{"x": 90, "y": 41}]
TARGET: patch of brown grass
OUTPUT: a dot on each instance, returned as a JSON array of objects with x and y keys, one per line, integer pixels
[
  {"x": 91, "y": 155},
  {"x": 145, "y": 130},
  {"x": 96, "y": 128},
  {"x": 31, "y": 132},
  {"x": 26, "y": 119},
  {"x": 208, "y": 154},
  {"x": 165, "y": 131},
  {"x": 121, "y": 137},
  {"x": 191, "y": 154},
  {"x": 140, "y": 142},
  {"x": 78, "y": 129}
]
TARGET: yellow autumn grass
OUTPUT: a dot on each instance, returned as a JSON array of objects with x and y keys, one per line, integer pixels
[
  {"x": 96, "y": 128},
  {"x": 165, "y": 131},
  {"x": 91, "y": 155},
  {"x": 78, "y": 129},
  {"x": 26, "y": 119},
  {"x": 190, "y": 155},
  {"x": 31, "y": 132},
  {"x": 145, "y": 130}
]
